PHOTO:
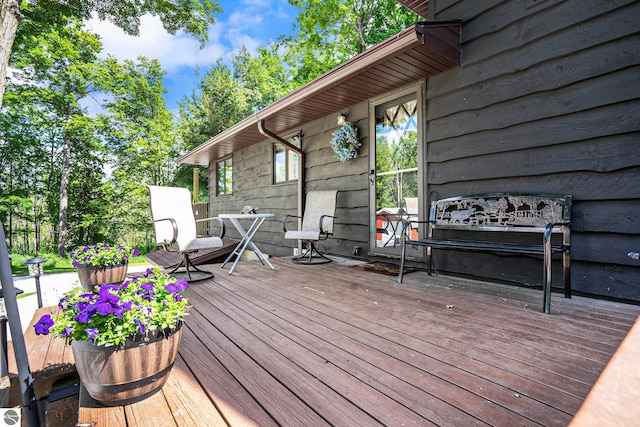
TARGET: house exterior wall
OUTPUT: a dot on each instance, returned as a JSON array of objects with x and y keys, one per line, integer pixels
[
  {"x": 547, "y": 100},
  {"x": 252, "y": 185}
]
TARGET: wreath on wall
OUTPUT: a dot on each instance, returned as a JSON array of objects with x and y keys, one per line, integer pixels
[{"x": 345, "y": 142}]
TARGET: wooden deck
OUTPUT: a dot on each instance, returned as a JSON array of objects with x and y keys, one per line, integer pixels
[
  {"x": 338, "y": 345},
  {"x": 169, "y": 260}
]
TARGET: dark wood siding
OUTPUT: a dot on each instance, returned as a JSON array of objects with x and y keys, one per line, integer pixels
[
  {"x": 252, "y": 185},
  {"x": 547, "y": 99}
]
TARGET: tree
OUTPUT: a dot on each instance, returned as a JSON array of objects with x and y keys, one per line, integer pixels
[
  {"x": 100, "y": 163},
  {"x": 56, "y": 69},
  {"x": 332, "y": 31},
  {"x": 141, "y": 133},
  {"x": 218, "y": 103},
  {"x": 264, "y": 77},
  {"x": 194, "y": 16},
  {"x": 227, "y": 95}
]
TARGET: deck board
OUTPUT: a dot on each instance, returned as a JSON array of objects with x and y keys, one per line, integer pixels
[
  {"x": 170, "y": 259},
  {"x": 336, "y": 345}
]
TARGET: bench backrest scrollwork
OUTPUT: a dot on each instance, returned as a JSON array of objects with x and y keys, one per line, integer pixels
[{"x": 502, "y": 212}]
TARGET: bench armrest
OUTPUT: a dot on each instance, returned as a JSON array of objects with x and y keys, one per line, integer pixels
[
  {"x": 548, "y": 230},
  {"x": 407, "y": 224}
]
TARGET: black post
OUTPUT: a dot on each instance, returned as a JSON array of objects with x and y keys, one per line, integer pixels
[
  {"x": 30, "y": 408},
  {"x": 35, "y": 265}
]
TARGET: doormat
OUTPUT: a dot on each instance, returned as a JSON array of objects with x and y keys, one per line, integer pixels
[{"x": 384, "y": 268}]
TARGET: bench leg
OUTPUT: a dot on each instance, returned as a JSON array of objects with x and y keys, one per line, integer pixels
[
  {"x": 566, "y": 271},
  {"x": 546, "y": 286},
  {"x": 546, "y": 281},
  {"x": 402, "y": 255}
]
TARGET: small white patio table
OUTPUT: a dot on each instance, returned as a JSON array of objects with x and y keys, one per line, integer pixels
[{"x": 247, "y": 236}]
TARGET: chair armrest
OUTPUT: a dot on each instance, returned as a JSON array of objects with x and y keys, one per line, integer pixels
[
  {"x": 174, "y": 225},
  {"x": 223, "y": 228},
  {"x": 284, "y": 221},
  {"x": 322, "y": 220}
]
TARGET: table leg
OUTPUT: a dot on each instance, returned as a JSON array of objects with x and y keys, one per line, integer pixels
[
  {"x": 247, "y": 236},
  {"x": 260, "y": 255}
]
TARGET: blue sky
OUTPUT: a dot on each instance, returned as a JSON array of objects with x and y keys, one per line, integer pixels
[{"x": 253, "y": 23}]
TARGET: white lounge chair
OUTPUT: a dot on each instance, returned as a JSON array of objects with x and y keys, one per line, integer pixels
[
  {"x": 175, "y": 229},
  {"x": 317, "y": 224}
]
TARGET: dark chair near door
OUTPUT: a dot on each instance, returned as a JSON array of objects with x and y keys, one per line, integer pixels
[
  {"x": 317, "y": 224},
  {"x": 175, "y": 229}
]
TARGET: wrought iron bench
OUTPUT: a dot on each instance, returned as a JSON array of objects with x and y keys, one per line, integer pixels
[{"x": 546, "y": 214}]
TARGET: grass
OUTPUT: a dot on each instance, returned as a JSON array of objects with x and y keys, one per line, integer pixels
[{"x": 54, "y": 263}]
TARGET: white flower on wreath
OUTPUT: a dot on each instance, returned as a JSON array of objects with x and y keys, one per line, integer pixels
[{"x": 345, "y": 142}]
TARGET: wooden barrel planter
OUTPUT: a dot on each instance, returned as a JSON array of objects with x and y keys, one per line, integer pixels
[
  {"x": 91, "y": 276},
  {"x": 115, "y": 376}
]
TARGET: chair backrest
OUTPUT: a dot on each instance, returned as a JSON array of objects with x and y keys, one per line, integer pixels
[
  {"x": 412, "y": 205},
  {"x": 319, "y": 203},
  {"x": 172, "y": 202}
]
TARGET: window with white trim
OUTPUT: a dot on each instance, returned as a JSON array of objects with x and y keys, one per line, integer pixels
[
  {"x": 285, "y": 161},
  {"x": 224, "y": 176}
]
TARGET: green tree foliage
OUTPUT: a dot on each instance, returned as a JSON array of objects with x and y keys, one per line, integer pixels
[
  {"x": 56, "y": 71},
  {"x": 264, "y": 77},
  {"x": 194, "y": 16},
  {"x": 89, "y": 169},
  {"x": 331, "y": 32},
  {"x": 227, "y": 95},
  {"x": 141, "y": 134}
]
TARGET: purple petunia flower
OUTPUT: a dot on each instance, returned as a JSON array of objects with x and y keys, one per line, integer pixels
[
  {"x": 43, "y": 325},
  {"x": 104, "y": 308},
  {"x": 92, "y": 333},
  {"x": 85, "y": 315},
  {"x": 64, "y": 302},
  {"x": 147, "y": 291},
  {"x": 180, "y": 286},
  {"x": 142, "y": 326}
]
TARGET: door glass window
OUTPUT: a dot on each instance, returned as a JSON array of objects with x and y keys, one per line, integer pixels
[{"x": 396, "y": 167}]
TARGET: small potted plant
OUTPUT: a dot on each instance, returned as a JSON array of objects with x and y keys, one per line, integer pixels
[
  {"x": 101, "y": 263},
  {"x": 122, "y": 335}
]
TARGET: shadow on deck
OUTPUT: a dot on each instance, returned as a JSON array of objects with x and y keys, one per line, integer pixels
[{"x": 168, "y": 260}]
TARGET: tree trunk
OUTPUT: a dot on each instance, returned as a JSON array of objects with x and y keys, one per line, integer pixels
[
  {"x": 10, "y": 17},
  {"x": 64, "y": 196}
]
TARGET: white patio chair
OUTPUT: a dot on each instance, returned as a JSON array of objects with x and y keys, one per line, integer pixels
[
  {"x": 317, "y": 224},
  {"x": 175, "y": 229}
]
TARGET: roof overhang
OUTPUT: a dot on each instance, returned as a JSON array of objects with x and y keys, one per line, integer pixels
[
  {"x": 419, "y": 7},
  {"x": 418, "y": 52}
]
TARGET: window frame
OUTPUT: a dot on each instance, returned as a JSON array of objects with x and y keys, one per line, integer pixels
[
  {"x": 228, "y": 182},
  {"x": 291, "y": 161}
]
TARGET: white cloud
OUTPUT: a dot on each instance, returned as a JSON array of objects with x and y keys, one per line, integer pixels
[
  {"x": 173, "y": 51},
  {"x": 249, "y": 23}
]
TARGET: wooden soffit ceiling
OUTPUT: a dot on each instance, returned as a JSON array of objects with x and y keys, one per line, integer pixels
[
  {"x": 419, "y": 7},
  {"x": 418, "y": 52}
]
